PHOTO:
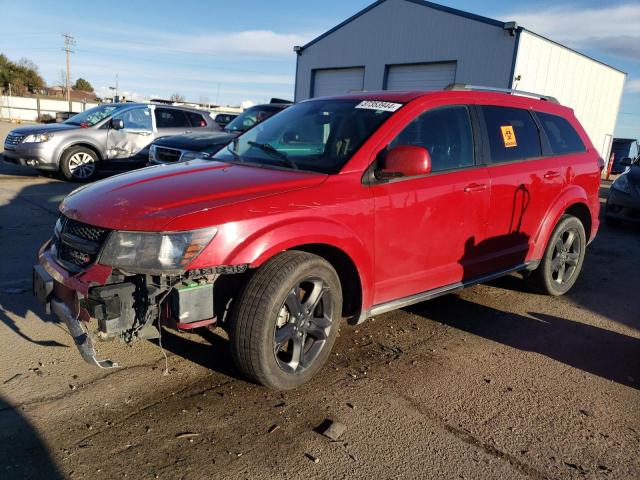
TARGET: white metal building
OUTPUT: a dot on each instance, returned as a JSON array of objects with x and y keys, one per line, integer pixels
[{"x": 419, "y": 45}]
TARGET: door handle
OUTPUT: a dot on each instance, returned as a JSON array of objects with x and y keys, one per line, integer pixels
[
  {"x": 144, "y": 134},
  {"x": 476, "y": 187},
  {"x": 188, "y": 131},
  {"x": 551, "y": 174}
]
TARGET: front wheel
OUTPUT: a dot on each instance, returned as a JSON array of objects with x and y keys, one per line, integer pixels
[
  {"x": 79, "y": 164},
  {"x": 286, "y": 320},
  {"x": 562, "y": 260}
]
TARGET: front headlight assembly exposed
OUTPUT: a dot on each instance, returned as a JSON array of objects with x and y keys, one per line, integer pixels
[{"x": 151, "y": 252}]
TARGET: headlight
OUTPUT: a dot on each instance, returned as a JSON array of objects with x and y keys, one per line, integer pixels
[
  {"x": 193, "y": 155},
  {"x": 147, "y": 252},
  {"x": 622, "y": 184},
  {"x": 37, "y": 138}
]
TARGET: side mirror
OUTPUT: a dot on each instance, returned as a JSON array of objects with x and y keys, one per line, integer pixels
[
  {"x": 290, "y": 137},
  {"x": 117, "y": 123},
  {"x": 406, "y": 161},
  {"x": 625, "y": 162}
]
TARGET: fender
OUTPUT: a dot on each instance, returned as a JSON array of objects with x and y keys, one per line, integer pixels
[
  {"x": 260, "y": 246},
  {"x": 72, "y": 142},
  {"x": 570, "y": 196}
]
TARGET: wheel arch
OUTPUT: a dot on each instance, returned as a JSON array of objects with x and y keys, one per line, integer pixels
[
  {"x": 88, "y": 145},
  {"x": 581, "y": 211},
  {"x": 347, "y": 271}
]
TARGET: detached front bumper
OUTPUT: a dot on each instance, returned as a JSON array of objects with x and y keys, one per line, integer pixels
[{"x": 60, "y": 291}]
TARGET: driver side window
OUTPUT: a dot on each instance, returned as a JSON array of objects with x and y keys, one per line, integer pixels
[
  {"x": 136, "y": 118},
  {"x": 446, "y": 134}
]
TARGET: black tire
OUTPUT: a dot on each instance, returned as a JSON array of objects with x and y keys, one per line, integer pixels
[
  {"x": 265, "y": 332},
  {"x": 79, "y": 164},
  {"x": 562, "y": 260}
]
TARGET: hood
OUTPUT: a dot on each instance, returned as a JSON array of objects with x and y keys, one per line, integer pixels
[
  {"x": 49, "y": 127},
  {"x": 150, "y": 198},
  {"x": 196, "y": 142}
]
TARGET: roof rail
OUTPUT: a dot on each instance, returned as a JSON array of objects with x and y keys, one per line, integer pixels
[{"x": 463, "y": 86}]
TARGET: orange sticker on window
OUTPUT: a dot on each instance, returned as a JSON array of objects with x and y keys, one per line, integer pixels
[{"x": 508, "y": 136}]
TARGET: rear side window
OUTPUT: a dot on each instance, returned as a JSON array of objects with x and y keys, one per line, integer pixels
[
  {"x": 171, "y": 118},
  {"x": 513, "y": 134},
  {"x": 562, "y": 136},
  {"x": 196, "y": 119},
  {"x": 445, "y": 133}
]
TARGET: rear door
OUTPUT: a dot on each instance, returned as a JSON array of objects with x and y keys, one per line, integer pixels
[
  {"x": 427, "y": 227},
  {"x": 524, "y": 184},
  {"x": 171, "y": 121}
]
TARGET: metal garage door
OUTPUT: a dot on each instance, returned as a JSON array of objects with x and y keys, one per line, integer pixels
[
  {"x": 423, "y": 76},
  {"x": 336, "y": 81}
]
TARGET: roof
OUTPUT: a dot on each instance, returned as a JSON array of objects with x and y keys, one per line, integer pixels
[
  {"x": 453, "y": 11},
  {"x": 424, "y": 3},
  {"x": 471, "y": 96}
]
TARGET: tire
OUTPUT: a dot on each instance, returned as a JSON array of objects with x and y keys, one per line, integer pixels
[
  {"x": 562, "y": 260},
  {"x": 266, "y": 334},
  {"x": 79, "y": 164}
]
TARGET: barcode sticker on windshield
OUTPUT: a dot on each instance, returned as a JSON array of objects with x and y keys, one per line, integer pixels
[{"x": 375, "y": 105}]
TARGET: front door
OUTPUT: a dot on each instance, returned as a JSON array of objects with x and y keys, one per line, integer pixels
[
  {"x": 127, "y": 146},
  {"x": 427, "y": 228}
]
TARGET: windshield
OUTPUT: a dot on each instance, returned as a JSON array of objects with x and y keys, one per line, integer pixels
[
  {"x": 319, "y": 135},
  {"x": 93, "y": 115},
  {"x": 249, "y": 118}
]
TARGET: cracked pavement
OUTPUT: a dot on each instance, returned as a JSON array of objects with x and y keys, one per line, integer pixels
[{"x": 491, "y": 382}]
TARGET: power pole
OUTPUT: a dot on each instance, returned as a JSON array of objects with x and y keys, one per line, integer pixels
[{"x": 69, "y": 43}]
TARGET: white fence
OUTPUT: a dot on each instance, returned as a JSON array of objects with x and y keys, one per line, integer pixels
[{"x": 30, "y": 108}]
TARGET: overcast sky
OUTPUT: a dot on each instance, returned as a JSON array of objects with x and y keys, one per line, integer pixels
[{"x": 227, "y": 52}]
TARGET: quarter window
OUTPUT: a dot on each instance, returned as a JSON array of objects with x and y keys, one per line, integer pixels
[
  {"x": 562, "y": 136},
  {"x": 171, "y": 118},
  {"x": 446, "y": 133},
  {"x": 513, "y": 135},
  {"x": 196, "y": 119}
]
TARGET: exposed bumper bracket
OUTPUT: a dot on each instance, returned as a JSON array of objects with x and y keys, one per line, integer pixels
[{"x": 80, "y": 336}]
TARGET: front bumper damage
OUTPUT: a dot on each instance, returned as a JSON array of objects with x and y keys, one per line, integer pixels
[
  {"x": 58, "y": 290},
  {"x": 125, "y": 306}
]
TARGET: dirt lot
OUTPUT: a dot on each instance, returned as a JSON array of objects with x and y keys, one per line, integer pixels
[{"x": 493, "y": 382}]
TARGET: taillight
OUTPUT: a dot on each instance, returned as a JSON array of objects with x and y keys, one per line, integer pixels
[{"x": 203, "y": 123}]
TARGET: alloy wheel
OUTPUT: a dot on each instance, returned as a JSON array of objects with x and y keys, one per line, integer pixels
[
  {"x": 82, "y": 165},
  {"x": 303, "y": 324},
  {"x": 566, "y": 256}
]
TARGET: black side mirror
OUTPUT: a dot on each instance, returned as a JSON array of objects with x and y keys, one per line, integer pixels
[
  {"x": 625, "y": 162},
  {"x": 117, "y": 123},
  {"x": 290, "y": 137}
]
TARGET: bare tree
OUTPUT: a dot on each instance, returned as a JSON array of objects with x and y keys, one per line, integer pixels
[{"x": 176, "y": 98}]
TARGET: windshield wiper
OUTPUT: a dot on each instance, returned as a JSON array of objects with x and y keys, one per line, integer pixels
[{"x": 267, "y": 147}]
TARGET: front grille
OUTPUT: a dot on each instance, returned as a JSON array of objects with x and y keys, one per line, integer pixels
[
  {"x": 164, "y": 154},
  {"x": 13, "y": 139},
  {"x": 77, "y": 244}
]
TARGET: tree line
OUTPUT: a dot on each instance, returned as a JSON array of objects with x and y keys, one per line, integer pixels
[{"x": 24, "y": 78}]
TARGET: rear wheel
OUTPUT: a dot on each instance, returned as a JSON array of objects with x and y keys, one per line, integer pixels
[
  {"x": 562, "y": 260},
  {"x": 286, "y": 320},
  {"x": 79, "y": 164}
]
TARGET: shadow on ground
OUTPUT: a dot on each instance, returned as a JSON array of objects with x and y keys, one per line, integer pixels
[{"x": 23, "y": 454}]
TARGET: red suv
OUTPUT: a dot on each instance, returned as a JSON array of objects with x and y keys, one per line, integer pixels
[{"x": 337, "y": 207}]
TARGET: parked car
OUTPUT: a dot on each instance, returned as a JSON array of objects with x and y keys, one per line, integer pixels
[
  {"x": 346, "y": 206},
  {"x": 111, "y": 137},
  {"x": 623, "y": 201},
  {"x": 180, "y": 148},
  {"x": 223, "y": 119}
]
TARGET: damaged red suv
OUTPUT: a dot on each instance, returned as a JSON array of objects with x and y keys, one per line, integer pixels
[{"x": 340, "y": 207}]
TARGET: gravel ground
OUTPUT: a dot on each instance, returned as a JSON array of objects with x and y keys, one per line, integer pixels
[{"x": 491, "y": 382}]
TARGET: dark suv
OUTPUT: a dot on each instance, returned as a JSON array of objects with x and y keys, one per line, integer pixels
[
  {"x": 338, "y": 207},
  {"x": 180, "y": 148}
]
